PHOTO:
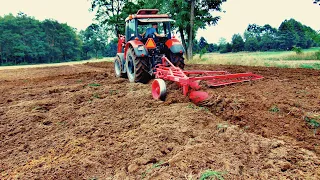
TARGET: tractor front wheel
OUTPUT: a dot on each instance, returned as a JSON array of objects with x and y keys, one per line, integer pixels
[
  {"x": 137, "y": 68},
  {"x": 118, "y": 68}
]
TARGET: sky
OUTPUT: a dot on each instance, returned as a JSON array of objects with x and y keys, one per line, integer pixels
[
  {"x": 73, "y": 12},
  {"x": 238, "y": 14}
]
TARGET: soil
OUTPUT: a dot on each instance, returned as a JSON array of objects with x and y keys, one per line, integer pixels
[{"x": 81, "y": 122}]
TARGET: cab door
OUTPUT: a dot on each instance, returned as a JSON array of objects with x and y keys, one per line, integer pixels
[{"x": 131, "y": 29}]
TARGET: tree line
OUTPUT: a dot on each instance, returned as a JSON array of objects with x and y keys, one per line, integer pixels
[
  {"x": 290, "y": 34},
  {"x": 25, "y": 40}
]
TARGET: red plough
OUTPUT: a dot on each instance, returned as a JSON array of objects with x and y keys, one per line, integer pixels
[{"x": 190, "y": 80}]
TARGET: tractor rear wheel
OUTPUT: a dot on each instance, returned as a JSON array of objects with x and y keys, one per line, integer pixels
[
  {"x": 177, "y": 60},
  {"x": 137, "y": 68}
]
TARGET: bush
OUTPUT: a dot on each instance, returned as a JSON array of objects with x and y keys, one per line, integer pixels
[
  {"x": 298, "y": 50},
  {"x": 202, "y": 52},
  {"x": 23, "y": 63},
  {"x": 317, "y": 55},
  {"x": 8, "y": 64}
]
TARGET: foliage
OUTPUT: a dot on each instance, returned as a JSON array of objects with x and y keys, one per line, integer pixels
[
  {"x": 202, "y": 47},
  {"x": 94, "y": 85},
  {"x": 25, "y": 40},
  {"x": 237, "y": 43},
  {"x": 284, "y": 59},
  {"x": 298, "y": 50},
  {"x": 226, "y": 48},
  {"x": 209, "y": 174},
  {"x": 154, "y": 166},
  {"x": 290, "y": 33},
  {"x": 313, "y": 122},
  {"x": 317, "y": 55},
  {"x": 95, "y": 42},
  {"x": 113, "y": 13},
  {"x": 310, "y": 66},
  {"x": 251, "y": 44}
]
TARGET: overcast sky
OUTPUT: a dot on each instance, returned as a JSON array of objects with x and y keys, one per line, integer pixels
[{"x": 239, "y": 13}]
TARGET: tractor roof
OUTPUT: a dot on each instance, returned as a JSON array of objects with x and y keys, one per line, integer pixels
[{"x": 149, "y": 14}]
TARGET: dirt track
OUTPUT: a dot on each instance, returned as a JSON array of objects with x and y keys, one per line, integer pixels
[{"x": 80, "y": 122}]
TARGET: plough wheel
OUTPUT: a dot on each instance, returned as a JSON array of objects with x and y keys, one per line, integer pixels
[{"x": 159, "y": 90}]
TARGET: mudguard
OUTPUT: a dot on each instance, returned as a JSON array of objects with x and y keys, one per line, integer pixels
[
  {"x": 123, "y": 62},
  {"x": 138, "y": 47},
  {"x": 175, "y": 46}
]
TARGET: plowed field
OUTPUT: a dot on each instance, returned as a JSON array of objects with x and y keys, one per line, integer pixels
[{"x": 80, "y": 122}]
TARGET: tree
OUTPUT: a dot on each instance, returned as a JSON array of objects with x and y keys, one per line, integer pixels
[
  {"x": 62, "y": 41},
  {"x": 222, "y": 43},
  {"x": 268, "y": 38},
  {"x": 212, "y": 47},
  {"x": 24, "y": 40},
  {"x": 203, "y": 17},
  {"x": 191, "y": 30},
  {"x": 94, "y": 40},
  {"x": 237, "y": 43},
  {"x": 111, "y": 48},
  {"x": 251, "y": 44},
  {"x": 113, "y": 13},
  {"x": 290, "y": 33},
  {"x": 203, "y": 43},
  {"x": 226, "y": 48},
  {"x": 293, "y": 33}
]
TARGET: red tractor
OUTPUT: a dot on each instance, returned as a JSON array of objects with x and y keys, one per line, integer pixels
[
  {"x": 140, "y": 58},
  {"x": 137, "y": 55}
]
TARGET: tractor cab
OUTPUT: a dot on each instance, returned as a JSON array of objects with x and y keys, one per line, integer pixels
[{"x": 136, "y": 25}]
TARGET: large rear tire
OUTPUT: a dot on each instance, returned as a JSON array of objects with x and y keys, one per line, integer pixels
[
  {"x": 137, "y": 68},
  {"x": 177, "y": 60}
]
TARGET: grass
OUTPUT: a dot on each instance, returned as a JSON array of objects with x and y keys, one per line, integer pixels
[
  {"x": 17, "y": 66},
  {"x": 193, "y": 106},
  {"x": 210, "y": 174},
  {"x": 113, "y": 92},
  {"x": 313, "y": 120},
  {"x": 154, "y": 166},
  {"x": 94, "y": 85},
  {"x": 222, "y": 126},
  {"x": 93, "y": 178},
  {"x": 308, "y": 58},
  {"x": 274, "y": 108},
  {"x": 95, "y": 95},
  {"x": 311, "y": 66}
]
